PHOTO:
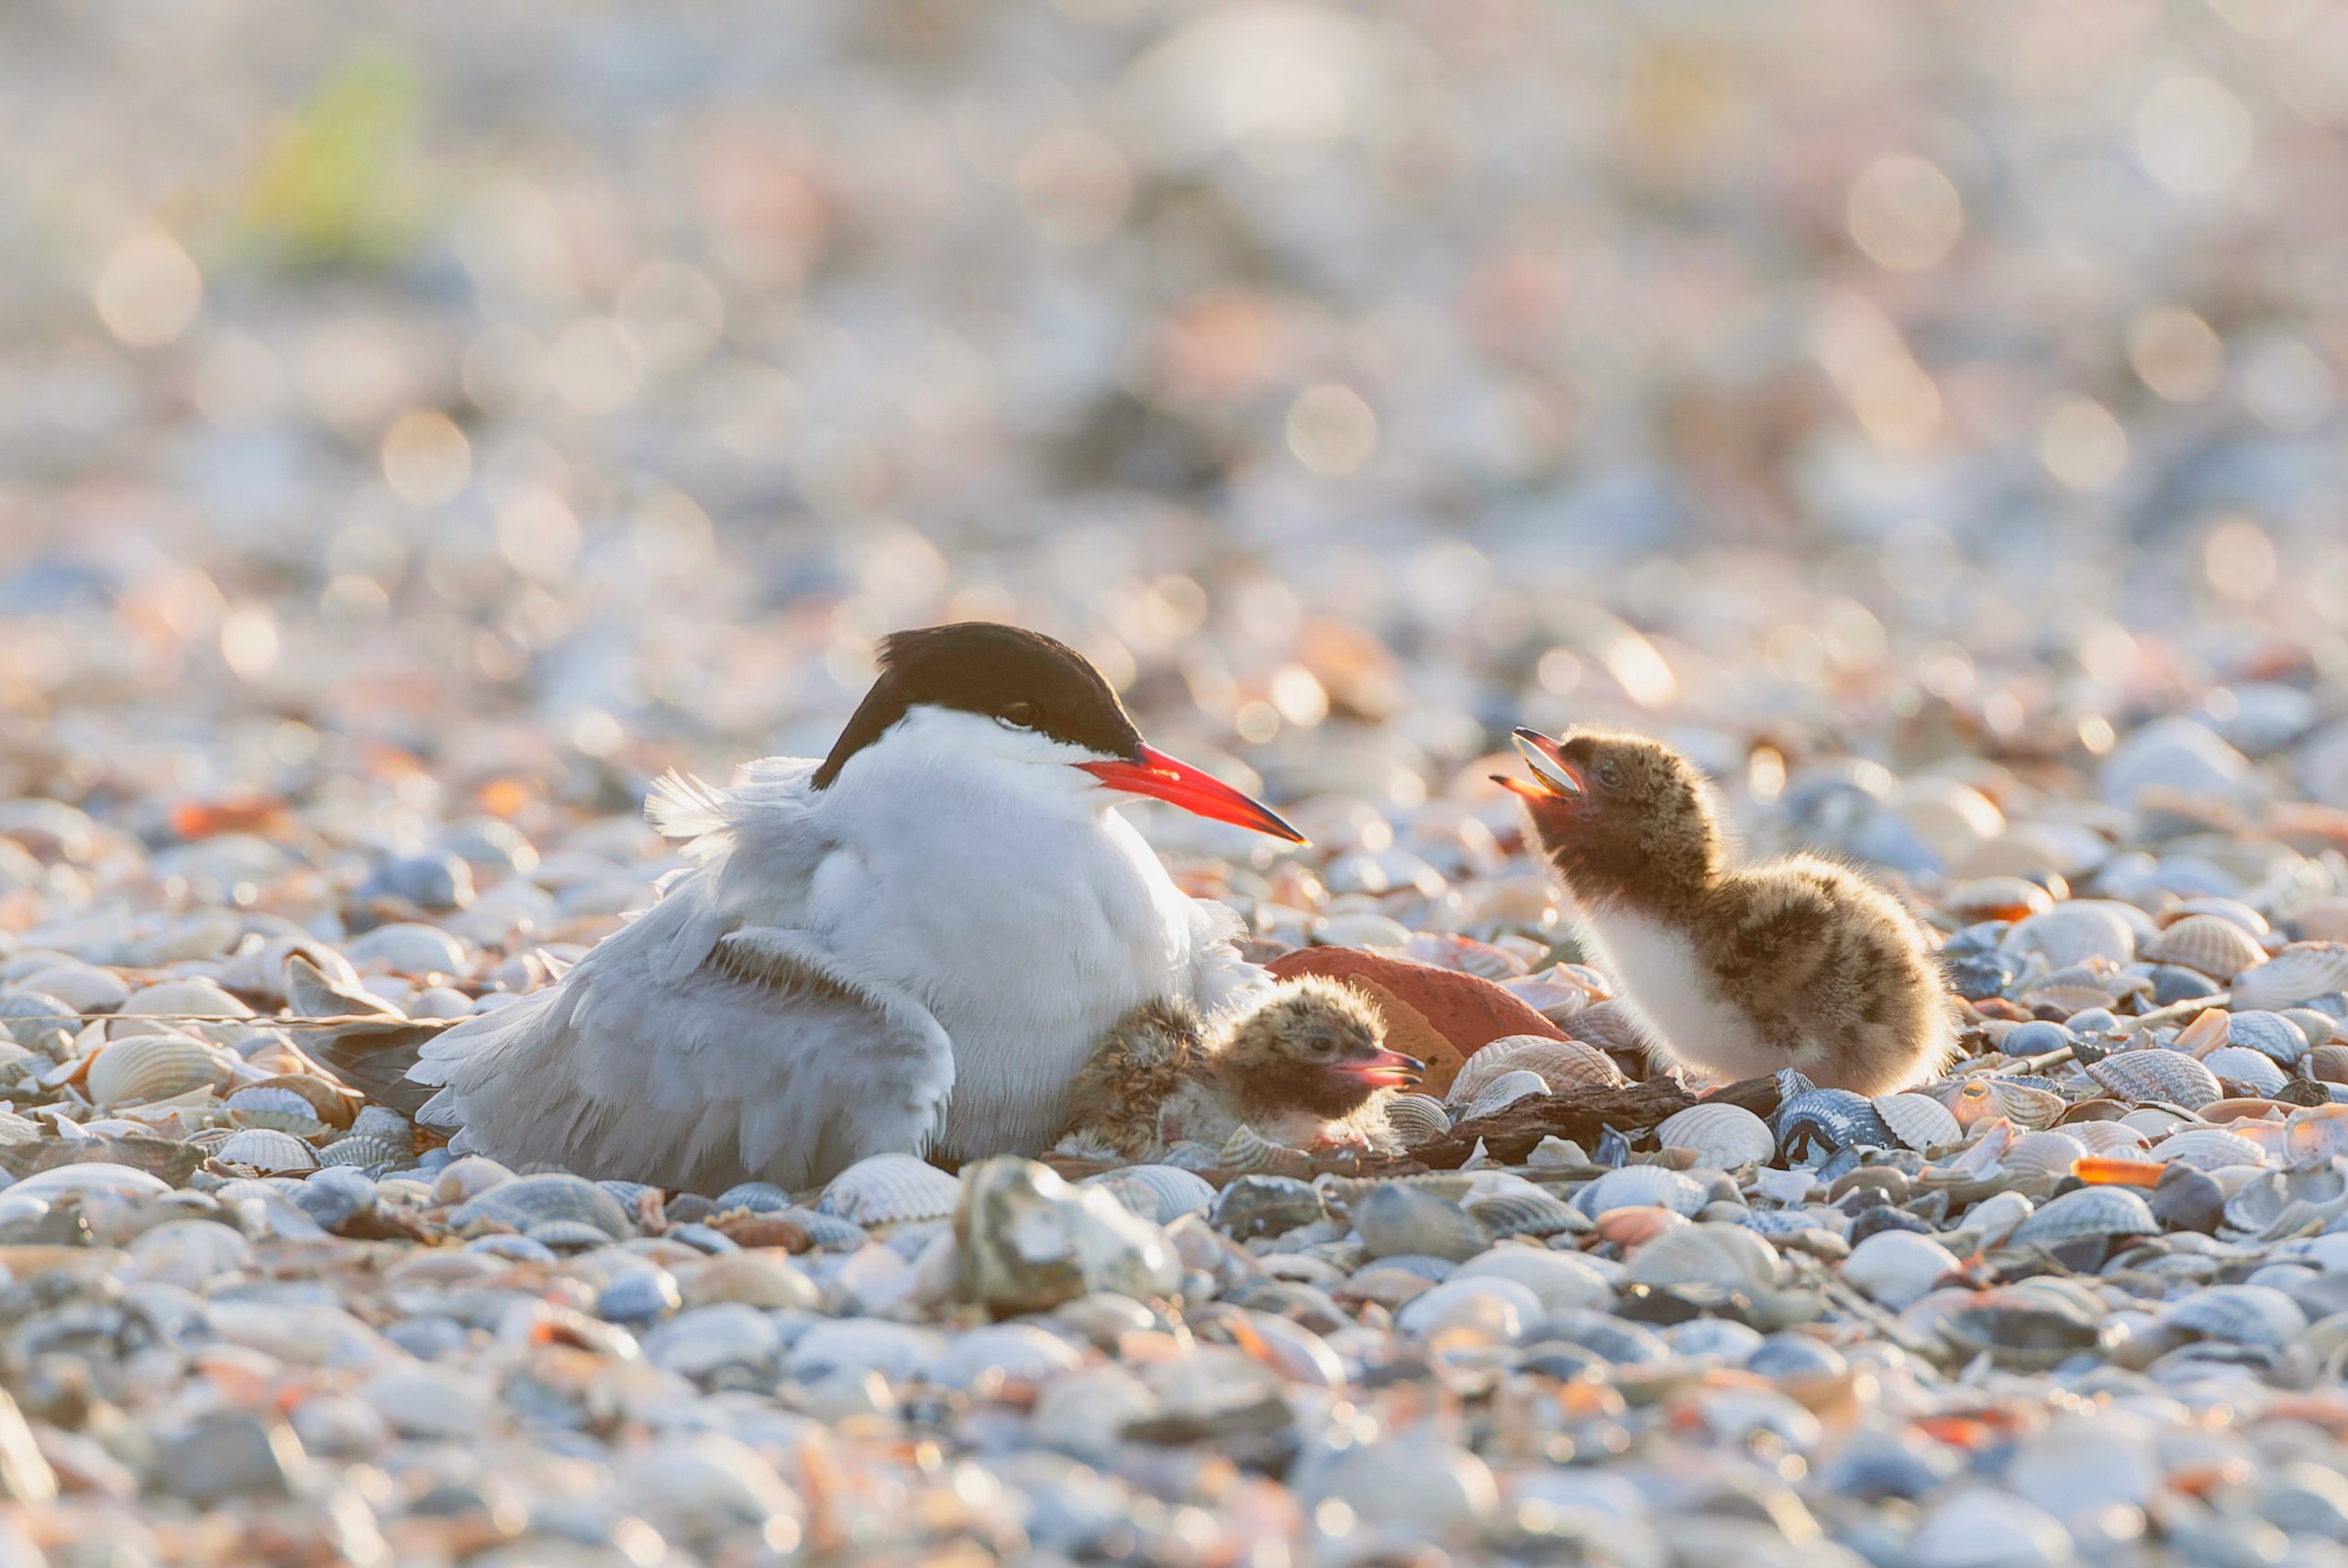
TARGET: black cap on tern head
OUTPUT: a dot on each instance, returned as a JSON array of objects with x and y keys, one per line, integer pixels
[
  {"x": 1017, "y": 677},
  {"x": 1027, "y": 681}
]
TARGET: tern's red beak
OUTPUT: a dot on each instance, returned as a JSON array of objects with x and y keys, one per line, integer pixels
[
  {"x": 1161, "y": 778},
  {"x": 1388, "y": 1069},
  {"x": 1552, "y": 776}
]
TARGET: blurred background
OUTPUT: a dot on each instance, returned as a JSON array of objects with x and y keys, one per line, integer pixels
[{"x": 503, "y": 402}]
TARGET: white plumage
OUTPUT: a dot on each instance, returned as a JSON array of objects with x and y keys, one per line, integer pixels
[{"x": 916, "y": 958}]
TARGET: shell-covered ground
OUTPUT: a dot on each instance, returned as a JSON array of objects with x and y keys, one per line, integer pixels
[{"x": 418, "y": 429}]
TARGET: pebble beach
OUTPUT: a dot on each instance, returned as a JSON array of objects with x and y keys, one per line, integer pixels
[{"x": 418, "y": 432}]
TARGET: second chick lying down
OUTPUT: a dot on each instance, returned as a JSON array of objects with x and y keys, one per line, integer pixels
[{"x": 1307, "y": 1065}]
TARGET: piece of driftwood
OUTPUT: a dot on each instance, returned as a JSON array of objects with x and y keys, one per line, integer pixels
[{"x": 1579, "y": 1116}]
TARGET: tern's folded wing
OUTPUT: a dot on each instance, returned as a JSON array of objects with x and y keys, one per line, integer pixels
[{"x": 680, "y": 1054}]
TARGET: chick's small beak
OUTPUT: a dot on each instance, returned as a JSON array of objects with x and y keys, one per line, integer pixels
[
  {"x": 1386, "y": 1070},
  {"x": 1162, "y": 777},
  {"x": 1552, "y": 776}
]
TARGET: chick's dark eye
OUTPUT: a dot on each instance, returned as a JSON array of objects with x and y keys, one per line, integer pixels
[
  {"x": 1321, "y": 1046},
  {"x": 1609, "y": 775},
  {"x": 1017, "y": 716}
]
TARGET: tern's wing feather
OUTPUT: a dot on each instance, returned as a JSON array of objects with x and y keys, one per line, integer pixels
[
  {"x": 1223, "y": 980},
  {"x": 705, "y": 1044}
]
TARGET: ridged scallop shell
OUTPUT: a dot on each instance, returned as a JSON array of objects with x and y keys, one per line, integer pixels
[
  {"x": 1727, "y": 1256},
  {"x": 1609, "y": 1026},
  {"x": 267, "y": 1150},
  {"x": 367, "y": 1150},
  {"x": 2074, "y": 933},
  {"x": 2208, "y": 945},
  {"x": 1417, "y": 1119},
  {"x": 2044, "y": 1153},
  {"x": 2240, "y": 1064},
  {"x": 2153, "y": 1074},
  {"x": 1447, "y": 950},
  {"x": 2088, "y": 1211},
  {"x": 2208, "y": 1149},
  {"x": 166, "y": 998},
  {"x": 2240, "y": 1314},
  {"x": 1160, "y": 1194},
  {"x": 2269, "y": 1033},
  {"x": 142, "y": 1067},
  {"x": 1724, "y": 1137},
  {"x": 2321, "y": 1029},
  {"x": 1640, "y": 1186},
  {"x": 1504, "y": 1091},
  {"x": 1248, "y": 1149},
  {"x": 1822, "y": 1121},
  {"x": 2303, "y": 970},
  {"x": 1526, "y": 1214},
  {"x": 546, "y": 1199},
  {"x": 1918, "y": 1120},
  {"x": 886, "y": 1189},
  {"x": 2329, "y": 1064},
  {"x": 1985, "y": 1098},
  {"x": 1561, "y": 1064},
  {"x": 2105, "y": 1137},
  {"x": 264, "y": 1106}
]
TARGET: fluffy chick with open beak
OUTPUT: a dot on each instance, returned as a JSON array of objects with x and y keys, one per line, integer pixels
[
  {"x": 1306, "y": 1065},
  {"x": 1797, "y": 962}
]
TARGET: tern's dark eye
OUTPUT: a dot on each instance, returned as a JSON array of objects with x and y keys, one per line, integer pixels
[{"x": 1017, "y": 716}]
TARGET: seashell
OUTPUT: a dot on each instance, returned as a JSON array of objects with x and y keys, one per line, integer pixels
[
  {"x": 1722, "y": 1137},
  {"x": 2239, "y": 1314},
  {"x": 367, "y": 1150},
  {"x": 1395, "y": 1218},
  {"x": 2270, "y": 1034},
  {"x": 2125, "y": 1172},
  {"x": 1815, "y": 1124},
  {"x": 1561, "y": 1064},
  {"x": 138, "y": 1068},
  {"x": 1918, "y": 1120},
  {"x": 2087, "y": 1211},
  {"x": 2105, "y": 1137},
  {"x": 2233, "y": 909},
  {"x": 2044, "y": 1153},
  {"x": 1984, "y": 1097},
  {"x": 1898, "y": 1268},
  {"x": 2027, "y": 1331},
  {"x": 268, "y": 1106},
  {"x": 2298, "y": 973},
  {"x": 757, "y": 1197},
  {"x": 1995, "y": 897},
  {"x": 2240, "y": 1064},
  {"x": 192, "y": 1253},
  {"x": 2329, "y": 1064},
  {"x": 1448, "y": 950},
  {"x": 268, "y": 1150},
  {"x": 2207, "y": 943},
  {"x": 2317, "y": 1135},
  {"x": 1361, "y": 929},
  {"x": 1504, "y": 1091},
  {"x": 1731, "y": 1256},
  {"x": 887, "y": 1189},
  {"x": 406, "y": 947},
  {"x": 2075, "y": 932},
  {"x": 2283, "y": 1203},
  {"x": 2319, "y": 1028},
  {"x": 1610, "y": 1027},
  {"x": 84, "y": 988},
  {"x": 1417, "y": 1119},
  {"x": 1641, "y": 1187},
  {"x": 1160, "y": 1194},
  {"x": 175, "y": 998},
  {"x": 2148, "y": 1072},
  {"x": 1252, "y": 1206},
  {"x": 1533, "y": 1213},
  {"x": 1248, "y": 1149},
  {"x": 528, "y": 1202},
  {"x": 380, "y": 1121},
  {"x": 2207, "y": 1149}
]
